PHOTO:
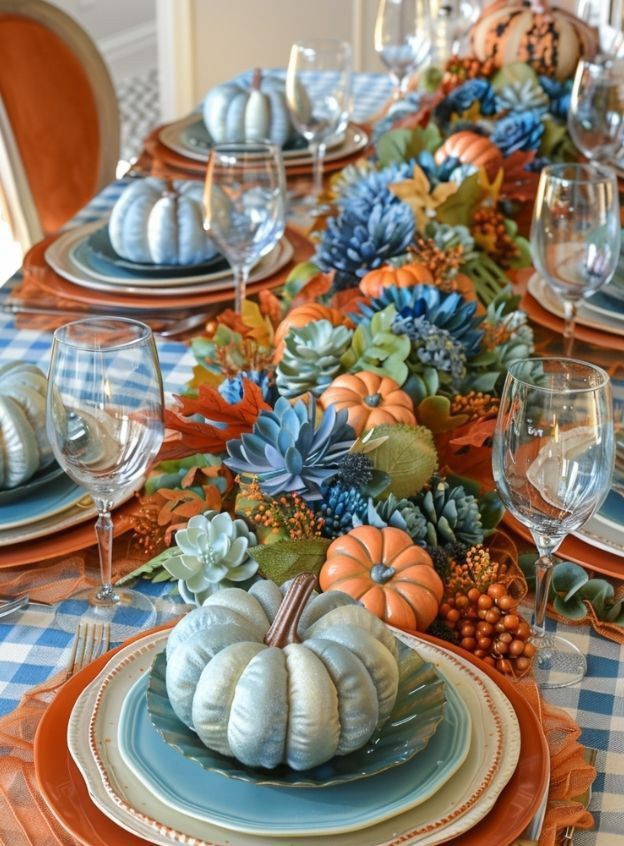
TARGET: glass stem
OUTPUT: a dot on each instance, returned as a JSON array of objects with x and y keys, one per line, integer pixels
[
  {"x": 318, "y": 153},
  {"x": 569, "y": 312},
  {"x": 241, "y": 275},
  {"x": 543, "y": 576},
  {"x": 104, "y": 533}
]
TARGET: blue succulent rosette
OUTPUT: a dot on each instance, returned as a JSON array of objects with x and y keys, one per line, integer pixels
[
  {"x": 462, "y": 98},
  {"x": 559, "y": 95},
  {"x": 518, "y": 131}
]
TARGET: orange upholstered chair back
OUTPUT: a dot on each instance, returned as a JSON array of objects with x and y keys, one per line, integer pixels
[{"x": 61, "y": 108}]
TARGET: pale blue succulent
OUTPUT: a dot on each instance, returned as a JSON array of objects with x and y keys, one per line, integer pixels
[
  {"x": 311, "y": 358},
  {"x": 520, "y": 96},
  {"x": 211, "y": 553},
  {"x": 288, "y": 452}
]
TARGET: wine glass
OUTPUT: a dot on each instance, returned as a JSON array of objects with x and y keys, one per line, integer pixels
[
  {"x": 244, "y": 205},
  {"x": 450, "y": 22},
  {"x": 318, "y": 94},
  {"x": 552, "y": 459},
  {"x": 575, "y": 233},
  {"x": 104, "y": 421},
  {"x": 403, "y": 37},
  {"x": 596, "y": 114}
]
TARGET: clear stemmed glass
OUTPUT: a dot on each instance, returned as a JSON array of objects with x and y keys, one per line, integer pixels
[
  {"x": 596, "y": 115},
  {"x": 552, "y": 459},
  {"x": 105, "y": 425},
  {"x": 318, "y": 94},
  {"x": 575, "y": 233},
  {"x": 403, "y": 36},
  {"x": 244, "y": 205}
]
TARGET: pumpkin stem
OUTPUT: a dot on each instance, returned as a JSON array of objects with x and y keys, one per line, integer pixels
[
  {"x": 381, "y": 573},
  {"x": 256, "y": 79},
  {"x": 284, "y": 627},
  {"x": 372, "y": 400}
]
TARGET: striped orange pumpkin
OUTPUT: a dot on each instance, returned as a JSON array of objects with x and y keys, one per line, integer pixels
[{"x": 550, "y": 40}]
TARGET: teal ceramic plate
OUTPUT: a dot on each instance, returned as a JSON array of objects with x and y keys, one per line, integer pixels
[
  {"x": 41, "y": 478},
  {"x": 52, "y": 498},
  {"x": 241, "y": 806},
  {"x": 100, "y": 255},
  {"x": 416, "y": 715}
]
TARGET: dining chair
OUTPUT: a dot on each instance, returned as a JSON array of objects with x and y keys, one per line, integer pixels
[{"x": 59, "y": 121}]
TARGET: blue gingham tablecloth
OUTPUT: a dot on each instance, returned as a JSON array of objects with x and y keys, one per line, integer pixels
[{"x": 32, "y": 649}]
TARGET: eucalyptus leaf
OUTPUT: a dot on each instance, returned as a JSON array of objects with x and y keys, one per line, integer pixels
[
  {"x": 573, "y": 608},
  {"x": 152, "y": 568},
  {"x": 567, "y": 579},
  {"x": 284, "y": 560},
  {"x": 491, "y": 509},
  {"x": 598, "y": 592}
]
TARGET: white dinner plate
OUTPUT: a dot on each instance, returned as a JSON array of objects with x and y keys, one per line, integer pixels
[
  {"x": 547, "y": 298},
  {"x": 188, "y": 137},
  {"x": 60, "y": 256},
  {"x": 605, "y": 530},
  {"x": 460, "y": 804}
]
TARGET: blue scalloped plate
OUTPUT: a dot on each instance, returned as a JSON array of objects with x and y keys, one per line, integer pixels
[
  {"x": 241, "y": 806},
  {"x": 418, "y": 711},
  {"x": 56, "y": 495},
  {"x": 39, "y": 480}
]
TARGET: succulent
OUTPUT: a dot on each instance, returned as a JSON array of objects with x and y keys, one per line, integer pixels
[
  {"x": 433, "y": 171},
  {"x": 446, "y": 236},
  {"x": 232, "y": 389},
  {"x": 559, "y": 94},
  {"x": 340, "y": 505},
  {"x": 288, "y": 452},
  {"x": 365, "y": 235},
  {"x": 407, "y": 454},
  {"x": 452, "y": 515},
  {"x": 400, "y": 513},
  {"x": 376, "y": 347},
  {"x": 212, "y": 553},
  {"x": 522, "y": 95},
  {"x": 311, "y": 357},
  {"x": 464, "y": 96},
  {"x": 518, "y": 131},
  {"x": 372, "y": 185}
]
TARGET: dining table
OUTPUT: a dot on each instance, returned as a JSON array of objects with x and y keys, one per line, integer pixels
[{"x": 33, "y": 650}]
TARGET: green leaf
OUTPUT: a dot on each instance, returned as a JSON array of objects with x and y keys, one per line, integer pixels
[
  {"x": 527, "y": 565},
  {"x": 598, "y": 592},
  {"x": 567, "y": 579},
  {"x": 458, "y": 209},
  {"x": 152, "y": 568},
  {"x": 401, "y": 145},
  {"x": 492, "y": 510},
  {"x": 615, "y": 614},
  {"x": 285, "y": 559},
  {"x": 515, "y": 72},
  {"x": 298, "y": 278},
  {"x": 573, "y": 609},
  {"x": 435, "y": 413}
]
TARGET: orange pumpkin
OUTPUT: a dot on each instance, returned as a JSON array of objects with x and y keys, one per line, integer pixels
[
  {"x": 370, "y": 400},
  {"x": 388, "y": 573},
  {"x": 401, "y": 277},
  {"x": 302, "y": 315},
  {"x": 471, "y": 148},
  {"x": 550, "y": 40}
]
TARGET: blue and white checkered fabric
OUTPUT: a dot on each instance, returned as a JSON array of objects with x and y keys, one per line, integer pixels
[{"x": 32, "y": 650}]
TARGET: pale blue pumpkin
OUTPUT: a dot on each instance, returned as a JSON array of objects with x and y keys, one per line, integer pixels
[
  {"x": 235, "y": 111},
  {"x": 159, "y": 221}
]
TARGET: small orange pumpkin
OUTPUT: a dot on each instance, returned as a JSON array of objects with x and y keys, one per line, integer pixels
[
  {"x": 388, "y": 573},
  {"x": 550, "y": 40},
  {"x": 302, "y": 315},
  {"x": 410, "y": 274},
  {"x": 370, "y": 400},
  {"x": 471, "y": 148}
]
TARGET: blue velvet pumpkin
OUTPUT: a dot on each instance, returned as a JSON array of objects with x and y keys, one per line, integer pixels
[{"x": 160, "y": 222}]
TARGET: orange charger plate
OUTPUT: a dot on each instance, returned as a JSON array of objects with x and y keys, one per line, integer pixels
[
  {"x": 67, "y": 797},
  {"x": 575, "y": 549}
]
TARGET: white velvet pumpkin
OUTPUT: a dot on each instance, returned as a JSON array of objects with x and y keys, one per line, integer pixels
[
  {"x": 257, "y": 112},
  {"x": 160, "y": 222},
  {"x": 24, "y": 446},
  {"x": 298, "y": 703}
]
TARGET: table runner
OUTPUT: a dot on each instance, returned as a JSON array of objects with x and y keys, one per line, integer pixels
[{"x": 31, "y": 650}]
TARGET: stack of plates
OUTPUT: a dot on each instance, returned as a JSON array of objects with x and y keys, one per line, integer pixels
[
  {"x": 48, "y": 516},
  {"x": 190, "y": 139},
  {"x": 92, "y": 273},
  {"x": 110, "y": 778},
  {"x": 600, "y": 318}
]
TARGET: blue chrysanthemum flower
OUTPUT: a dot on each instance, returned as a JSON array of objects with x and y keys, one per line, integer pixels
[
  {"x": 461, "y": 99},
  {"x": 374, "y": 186},
  {"x": 340, "y": 504},
  {"x": 518, "y": 131},
  {"x": 366, "y": 235},
  {"x": 425, "y": 305},
  {"x": 232, "y": 389},
  {"x": 559, "y": 94}
]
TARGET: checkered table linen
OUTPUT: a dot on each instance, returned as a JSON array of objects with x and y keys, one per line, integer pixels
[{"x": 32, "y": 649}]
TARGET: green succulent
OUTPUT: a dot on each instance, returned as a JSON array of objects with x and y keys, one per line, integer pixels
[
  {"x": 400, "y": 513},
  {"x": 311, "y": 357},
  {"x": 375, "y": 347},
  {"x": 519, "y": 96},
  {"x": 452, "y": 514}
]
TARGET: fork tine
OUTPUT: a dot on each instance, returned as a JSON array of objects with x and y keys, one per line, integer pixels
[{"x": 77, "y": 651}]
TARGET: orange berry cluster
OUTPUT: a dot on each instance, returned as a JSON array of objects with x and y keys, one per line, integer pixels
[
  {"x": 147, "y": 533},
  {"x": 487, "y": 624},
  {"x": 488, "y": 230},
  {"x": 460, "y": 69},
  {"x": 288, "y": 514},
  {"x": 475, "y": 404},
  {"x": 443, "y": 264}
]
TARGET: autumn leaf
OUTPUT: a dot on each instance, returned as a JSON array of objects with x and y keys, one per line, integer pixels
[
  {"x": 258, "y": 325},
  {"x": 417, "y": 194},
  {"x": 474, "y": 434},
  {"x": 457, "y": 210}
]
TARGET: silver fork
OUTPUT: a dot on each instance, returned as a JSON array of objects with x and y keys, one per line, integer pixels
[{"x": 90, "y": 641}]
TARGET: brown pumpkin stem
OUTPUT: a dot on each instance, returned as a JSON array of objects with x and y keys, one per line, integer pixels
[
  {"x": 284, "y": 628},
  {"x": 256, "y": 79}
]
